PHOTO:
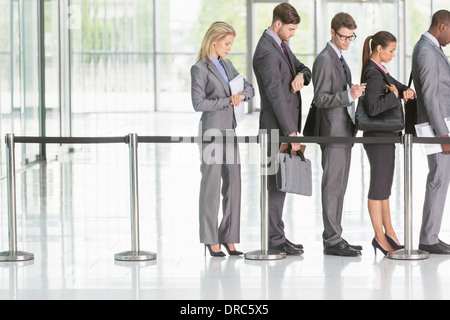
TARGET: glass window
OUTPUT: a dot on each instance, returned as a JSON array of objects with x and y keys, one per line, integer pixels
[
  {"x": 303, "y": 44},
  {"x": 52, "y": 70},
  {"x": 180, "y": 28},
  {"x": 112, "y": 65},
  {"x": 438, "y": 5}
]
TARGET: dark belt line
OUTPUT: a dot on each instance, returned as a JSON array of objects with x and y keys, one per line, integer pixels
[{"x": 241, "y": 139}]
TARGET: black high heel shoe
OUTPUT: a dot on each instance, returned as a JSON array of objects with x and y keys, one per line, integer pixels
[
  {"x": 393, "y": 244},
  {"x": 213, "y": 253},
  {"x": 376, "y": 246},
  {"x": 231, "y": 252}
]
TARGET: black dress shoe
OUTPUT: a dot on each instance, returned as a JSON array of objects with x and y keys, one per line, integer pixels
[
  {"x": 356, "y": 247},
  {"x": 286, "y": 248},
  {"x": 438, "y": 248},
  {"x": 296, "y": 246},
  {"x": 341, "y": 249},
  {"x": 444, "y": 244}
]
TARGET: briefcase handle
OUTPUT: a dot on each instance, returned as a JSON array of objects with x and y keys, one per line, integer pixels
[{"x": 299, "y": 153}]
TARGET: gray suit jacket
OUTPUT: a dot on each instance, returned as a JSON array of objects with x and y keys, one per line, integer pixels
[
  {"x": 211, "y": 95},
  {"x": 431, "y": 75},
  {"x": 280, "y": 107},
  {"x": 331, "y": 96}
]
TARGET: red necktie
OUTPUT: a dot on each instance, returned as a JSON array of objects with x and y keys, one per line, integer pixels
[{"x": 283, "y": 46}]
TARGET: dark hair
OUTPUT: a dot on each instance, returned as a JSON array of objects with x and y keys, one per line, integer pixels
[
  {"x": 286, "y": 13},
  {"x": 439, "y": 17},
  {"x": 343, "y": 19},
  {"x": 381, "y": 38}
]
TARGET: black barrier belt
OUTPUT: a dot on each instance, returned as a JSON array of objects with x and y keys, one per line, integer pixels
[
  {"x": 242, "y": 139},
  {"x": 191, "y": 139},
  {"x": 431, "y": 140},
  {"x": 71, "y": 140},
  {"x": 331, "y": 140}
]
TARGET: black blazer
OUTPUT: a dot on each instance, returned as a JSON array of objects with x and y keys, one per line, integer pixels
[
  {"x": 377, "y": 97},
  {"x": 280, "y": 108}
]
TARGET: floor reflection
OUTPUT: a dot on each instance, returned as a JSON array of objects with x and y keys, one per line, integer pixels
[{"x": 74, "y": 215}]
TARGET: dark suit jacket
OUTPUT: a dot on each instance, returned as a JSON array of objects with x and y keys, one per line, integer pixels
[
  {"x": 280, "y": 107},
  {"x": 377, "y": 98}
]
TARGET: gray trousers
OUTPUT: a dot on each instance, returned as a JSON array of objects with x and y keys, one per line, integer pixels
[
  {"x": 435, "y": 197},
  {"x": 276, "y": 204},
  {"x": 336, "y": 168},
  {"x": 220, "y": 178}
]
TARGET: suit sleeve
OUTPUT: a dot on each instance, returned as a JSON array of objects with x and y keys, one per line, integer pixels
[
  {"x": 301, "y": 68},
  {"x": 429, "y": 75},
  {"x": 200, "y": 101},
  {"x": 376, "y": 98},
  {"x": 324, "y": 97},
  {"x": 248, "y": 92},
  {"x": 401, "y": 88},
  {"x": 265, "y": 65}
]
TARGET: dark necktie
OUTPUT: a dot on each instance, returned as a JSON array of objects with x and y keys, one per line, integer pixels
[
  {"x": 343, "y": 64},
  {"x": 283, "y": 46}
]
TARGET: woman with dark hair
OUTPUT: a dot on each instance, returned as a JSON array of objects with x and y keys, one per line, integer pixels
[{"x": 383, "y": 92}]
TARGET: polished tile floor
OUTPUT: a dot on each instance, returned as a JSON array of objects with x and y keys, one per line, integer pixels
[{"x": 73, "y": 214}]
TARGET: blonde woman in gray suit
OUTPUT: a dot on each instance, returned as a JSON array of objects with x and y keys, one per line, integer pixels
[{"x": 211, "y": 94}]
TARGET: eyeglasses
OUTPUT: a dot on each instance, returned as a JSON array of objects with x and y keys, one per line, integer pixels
[{"x": 345, "y": 38}]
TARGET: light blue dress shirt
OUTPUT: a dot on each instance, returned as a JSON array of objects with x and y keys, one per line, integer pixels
[{"x": 219, "y": 66}]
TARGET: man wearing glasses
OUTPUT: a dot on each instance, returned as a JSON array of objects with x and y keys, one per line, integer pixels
[{"x": 334, "y": 97}]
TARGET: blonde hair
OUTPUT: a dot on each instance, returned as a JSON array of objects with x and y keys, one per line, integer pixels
[{"x": 216, "y": 32}]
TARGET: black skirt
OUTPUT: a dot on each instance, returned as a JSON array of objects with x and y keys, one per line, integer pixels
[{"x": 382, "y": 164}]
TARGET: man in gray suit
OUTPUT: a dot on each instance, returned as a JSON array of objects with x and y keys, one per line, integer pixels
[
  {"x": 280, "y": 77},
  {"x": 431, "y": 75},
  {"x": 334, "y": 98}
]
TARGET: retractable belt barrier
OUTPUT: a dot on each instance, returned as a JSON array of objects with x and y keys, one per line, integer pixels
[{"x": 135, "y": 254}]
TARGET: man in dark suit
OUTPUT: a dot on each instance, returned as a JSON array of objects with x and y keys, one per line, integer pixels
[
  {"x": 334, "y": 97},
  {"x": 280, "y": 77}
]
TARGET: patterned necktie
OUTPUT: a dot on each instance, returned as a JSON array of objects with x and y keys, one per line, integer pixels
[
  {"x": 343, "y": 64},
  {"x": 283, "y": 46}
]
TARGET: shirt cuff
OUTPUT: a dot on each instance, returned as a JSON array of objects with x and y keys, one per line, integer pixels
[{"x": 350, "y": 98}]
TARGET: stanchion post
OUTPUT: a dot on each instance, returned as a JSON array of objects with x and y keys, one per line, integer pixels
[
  {"x": 135, "y": 254},
  {"x": 12, "y": 255},
  {"x": 408, "y": 253},
  {"x": 265, "y": 253}
]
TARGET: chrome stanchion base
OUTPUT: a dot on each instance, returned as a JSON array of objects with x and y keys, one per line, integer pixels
[
  {"x": 135, "y": 256},
  {"x": 408, "y": 255},
  {"x": 9, "y": 256},
  {"x": 265, "y": 255}
]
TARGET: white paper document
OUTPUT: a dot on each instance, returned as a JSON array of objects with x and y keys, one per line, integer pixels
[
  {"x": 237, "y": 86},
  {"x": 424, "y": 130}
]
